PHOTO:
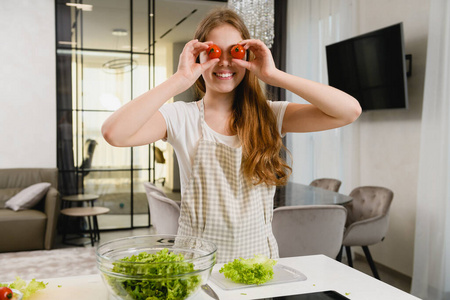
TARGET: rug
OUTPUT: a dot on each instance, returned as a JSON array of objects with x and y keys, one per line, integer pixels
[{"x": 41, "y": 264}]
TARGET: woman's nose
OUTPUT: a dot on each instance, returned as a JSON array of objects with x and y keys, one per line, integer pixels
[{"x": 225, "y": 59}]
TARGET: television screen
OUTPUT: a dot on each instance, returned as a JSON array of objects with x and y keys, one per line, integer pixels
[{"x": 371, "y": 68}]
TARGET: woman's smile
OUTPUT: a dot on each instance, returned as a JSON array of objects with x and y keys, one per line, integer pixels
[{"x": 224, "y": 75}]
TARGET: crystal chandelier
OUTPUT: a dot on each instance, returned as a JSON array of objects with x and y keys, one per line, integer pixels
[{"x": 258, "y": 16}]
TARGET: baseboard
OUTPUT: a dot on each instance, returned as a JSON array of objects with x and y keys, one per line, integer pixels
[{"x": 381, "y": 267}]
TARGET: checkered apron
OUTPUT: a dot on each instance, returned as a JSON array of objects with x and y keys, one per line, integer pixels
[{"x": 220, "y": 205}]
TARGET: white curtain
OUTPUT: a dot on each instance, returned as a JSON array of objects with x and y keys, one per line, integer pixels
[
  {"x": 431, "y": 275},
  {"x": 312, "y": 25}
]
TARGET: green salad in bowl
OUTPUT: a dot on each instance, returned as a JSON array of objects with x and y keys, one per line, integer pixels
[{"x": 156, "y": 267}]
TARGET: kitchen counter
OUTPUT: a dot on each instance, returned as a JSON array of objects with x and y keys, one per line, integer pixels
[{"x": 322, "y": 272}]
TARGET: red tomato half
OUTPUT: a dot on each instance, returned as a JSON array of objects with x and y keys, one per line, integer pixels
[
  {"x": 237, "y": 51},
  {"x": 214, "y": 51},
  {"x": 5, "y": 293}
]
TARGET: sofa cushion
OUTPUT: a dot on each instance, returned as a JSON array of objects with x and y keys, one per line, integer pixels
[
  {"x": 28, "y": 197},
  {"x": 7, "y": 215},
  {"x": 22, "y": 178},
  {"x": 22, "y": 230}
]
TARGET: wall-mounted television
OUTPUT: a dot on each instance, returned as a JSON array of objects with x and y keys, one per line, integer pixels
[{"x": 371, "y": 67}]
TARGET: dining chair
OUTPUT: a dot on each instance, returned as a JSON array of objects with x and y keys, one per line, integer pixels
[
  {"x": 367, "y": 220},
  {"x": 309, "y": 229},
  {"x": 150, "y": 187},
  {"x": 327, "y": 184},
  {"x": 164, "y": 212}
]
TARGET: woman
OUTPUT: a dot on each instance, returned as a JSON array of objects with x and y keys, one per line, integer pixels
[{"x": 228, "y": 143}]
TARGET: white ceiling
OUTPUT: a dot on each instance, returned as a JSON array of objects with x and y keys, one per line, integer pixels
[
  {"x": 108, "y": 15},
  {"x": 169, "y": 12}
]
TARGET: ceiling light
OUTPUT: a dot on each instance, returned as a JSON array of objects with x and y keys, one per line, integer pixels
[
  {"x": 120, "y": 32},
  {"x": 67, "y": 43},
  {"x": 119, "y": 65},
  {"x": 83, "y": 7}
]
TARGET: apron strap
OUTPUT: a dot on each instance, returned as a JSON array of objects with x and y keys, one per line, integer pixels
[{"x": 202, "y": 118}]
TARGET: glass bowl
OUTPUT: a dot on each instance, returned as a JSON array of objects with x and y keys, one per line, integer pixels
[{"x": 130, "y": 279}]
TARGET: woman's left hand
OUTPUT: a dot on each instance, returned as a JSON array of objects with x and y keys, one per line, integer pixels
[{"x": 263, "y": 65}]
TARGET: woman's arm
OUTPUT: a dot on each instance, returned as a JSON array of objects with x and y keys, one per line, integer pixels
[
  {"x": 329, "y": 108},
  {"x": 139, "y": 122}
]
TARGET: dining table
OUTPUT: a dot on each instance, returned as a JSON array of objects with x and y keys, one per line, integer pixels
[
  {"x": 321, "y": 273},
  {"x": 294, "y": 194}
]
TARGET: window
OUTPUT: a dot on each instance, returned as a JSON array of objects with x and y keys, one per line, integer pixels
[{"x": 105, "y": 58}]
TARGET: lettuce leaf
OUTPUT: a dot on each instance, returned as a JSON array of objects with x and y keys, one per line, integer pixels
[
  {"x": 26, "y": 289},
  {"x": 256, "y": 270}
]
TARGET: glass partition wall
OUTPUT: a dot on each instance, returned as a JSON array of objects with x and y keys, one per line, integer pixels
[{"x": 105, "y": 58}]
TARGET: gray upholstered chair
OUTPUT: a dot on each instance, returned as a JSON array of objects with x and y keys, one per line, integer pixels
[
  {"x": 309, "y": 230},
  {"x": 164, "y": 212},
  {"x": 327, "y": 184},
  {"x": 150, "y": 187},
  {"x": 367, "y": 220}
]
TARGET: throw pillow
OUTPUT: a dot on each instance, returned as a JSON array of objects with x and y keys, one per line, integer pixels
[{"x": 29, "y": 197}]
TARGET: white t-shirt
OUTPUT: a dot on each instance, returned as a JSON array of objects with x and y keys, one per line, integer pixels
[{"x": 184, "y": 132}]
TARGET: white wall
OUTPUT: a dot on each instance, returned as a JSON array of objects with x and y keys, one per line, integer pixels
[
  {"x": 385, "y": 144},
  {"x": 27, "y": 84},
  {"x": 389, "y": 139}
]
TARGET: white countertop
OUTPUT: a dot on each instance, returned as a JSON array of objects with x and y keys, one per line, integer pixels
[{"x": 322, "y": 272}]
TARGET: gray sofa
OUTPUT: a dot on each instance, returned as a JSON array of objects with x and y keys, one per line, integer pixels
[{"x": 33, "y": 228}]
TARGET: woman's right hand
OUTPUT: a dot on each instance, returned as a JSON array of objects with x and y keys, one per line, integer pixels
[{"x": 188, "y": 67}]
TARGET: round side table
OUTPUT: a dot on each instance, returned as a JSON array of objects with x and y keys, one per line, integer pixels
[
  {"x": 68, "y": 200},
  {"x": 86, "y": 212}
]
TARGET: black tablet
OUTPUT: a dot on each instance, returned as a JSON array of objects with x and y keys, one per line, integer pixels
[{"x": 325, "y": 295}]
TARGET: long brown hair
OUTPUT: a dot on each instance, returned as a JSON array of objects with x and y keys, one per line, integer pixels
[{"x": 252, "y": 120}]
